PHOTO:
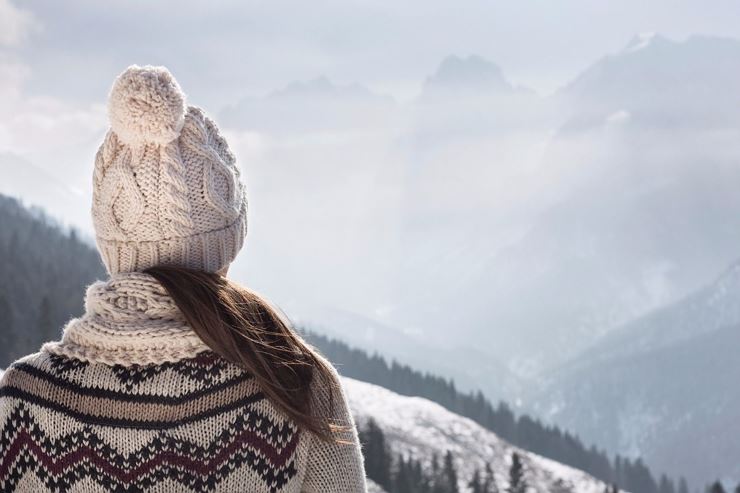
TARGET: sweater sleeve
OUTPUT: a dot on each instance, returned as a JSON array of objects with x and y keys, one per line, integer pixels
[{"x": 334, "y": 467}]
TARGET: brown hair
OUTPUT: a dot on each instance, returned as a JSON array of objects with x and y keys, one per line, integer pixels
[{"x": 243, "y": 328}]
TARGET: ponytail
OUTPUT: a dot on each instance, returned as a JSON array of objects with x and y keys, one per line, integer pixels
[{"x": 244, "y": 329}]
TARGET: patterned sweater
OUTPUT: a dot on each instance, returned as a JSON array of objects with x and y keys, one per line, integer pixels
[{"x": 129, "y": 400}]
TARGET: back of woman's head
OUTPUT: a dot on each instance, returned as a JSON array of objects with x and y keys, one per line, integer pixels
[
  {"x": 166, "y": 188},
  {"x": 168, "y": 200}
]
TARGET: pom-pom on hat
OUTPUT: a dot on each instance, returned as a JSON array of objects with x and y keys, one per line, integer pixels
[
  {"x": 166, "y": 188},
  {"x": 146, "y": 105}
]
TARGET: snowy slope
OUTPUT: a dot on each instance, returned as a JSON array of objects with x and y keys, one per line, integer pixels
[
  {"x": 373, "y": 487},
  {"x": 709, "y": 309},
  {"x": 419, "y": 427}
]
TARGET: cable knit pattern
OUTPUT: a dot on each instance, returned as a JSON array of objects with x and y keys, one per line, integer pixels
[
  {"x": 174, "y": 213},
  {"x": 130, "y": 400},
  {"x": 166, "y": 188}
]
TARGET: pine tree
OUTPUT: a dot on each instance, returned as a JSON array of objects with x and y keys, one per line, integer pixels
[
  {"x": 665, "y": 485},
  {"x": 46, "y": 327},
  {"x": 8, "y": 336},
  {"x": 475, "y": 484},
  {"x": 489, "y": 481},
  {"x": 618, "y": 475},
  {"x": 683, "y": 486},
  {"x": 402, "y": 480},
  {"x": 377, "y": 454},
  {"x": 436, "y": 479},
  {"x": 449, "y": 474},
  {"x": 716, "y": 487},
  {"x": 637, "y": 477},
  {"x": 420, "y": 479},
  {"x": 517, "y": 484}
]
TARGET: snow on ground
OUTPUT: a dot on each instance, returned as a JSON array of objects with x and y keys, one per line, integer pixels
[
  {"x": 419, "y": 427},
  {"x": 373, "y": 487}
]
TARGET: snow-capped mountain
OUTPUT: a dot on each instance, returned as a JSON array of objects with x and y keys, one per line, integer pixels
[
  {"x": 638, "y": 203},
  {"x": 684, "y": 79},
  {"x": 419, "y": 428},
  {"x": 663, "y": 387}
]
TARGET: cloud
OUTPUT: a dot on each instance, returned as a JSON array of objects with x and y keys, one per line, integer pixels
[
  {"x": 51, "y": 141},
  {"x": 15, "y": 24}
]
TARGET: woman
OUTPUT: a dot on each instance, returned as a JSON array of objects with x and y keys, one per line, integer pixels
[{"x": 175, "y": 378}]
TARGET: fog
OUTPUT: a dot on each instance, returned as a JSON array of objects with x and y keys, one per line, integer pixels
[{"x": 498, "y": 193}]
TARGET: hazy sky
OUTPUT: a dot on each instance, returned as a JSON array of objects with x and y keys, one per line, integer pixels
[
  {"x": 385, "y": 198},
  {"x": 73, "y": 49}
]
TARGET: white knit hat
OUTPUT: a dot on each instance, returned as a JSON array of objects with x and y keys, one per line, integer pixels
[{"x": 166, "y": 189}]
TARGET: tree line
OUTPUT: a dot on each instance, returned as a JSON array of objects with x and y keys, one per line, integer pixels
[
  {"x": 718, "y": 487},
  {"x": 523, "y": 431},
  {"x": 397, "y": 473}
]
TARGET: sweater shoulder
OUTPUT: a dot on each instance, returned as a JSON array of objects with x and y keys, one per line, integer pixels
[
  {"x": 328, "y": 397},
  {"x": 33, "y": 360},
  {"x": 10, "y": 376},
  {"x": 205, "y": 372},
  {"x": 326, "y": 385}
]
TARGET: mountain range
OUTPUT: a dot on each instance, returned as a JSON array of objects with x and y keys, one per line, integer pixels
[
  {"x": 663, "y": 387},
  {"x": 481, "y": 209},
  {"x": 638, "y": 204}
]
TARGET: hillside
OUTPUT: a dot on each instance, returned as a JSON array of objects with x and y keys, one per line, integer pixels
[
  {"x": 709, "y": 309},
  {"x": 44, "y": 269},
  {"x": 663, "y": 387},
  {"x": 522, "y": 430},
  {"x": 419, "y": 428}
]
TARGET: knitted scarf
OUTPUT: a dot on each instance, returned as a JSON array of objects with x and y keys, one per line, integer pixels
[{"x": 129, "y": 319}]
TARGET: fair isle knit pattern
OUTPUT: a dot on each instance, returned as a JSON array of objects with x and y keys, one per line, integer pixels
[
  {"x": 129, "y": 401},
  {"x": 166, "y": 188}
]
